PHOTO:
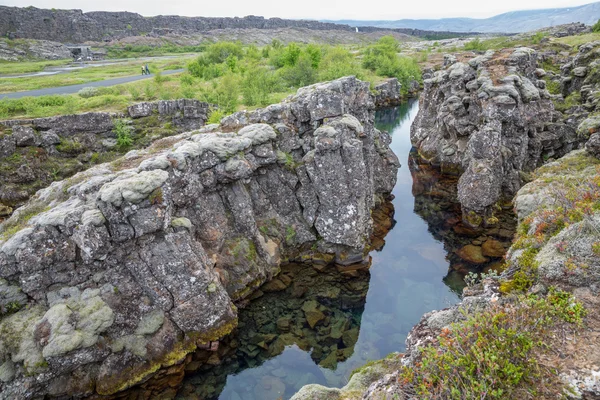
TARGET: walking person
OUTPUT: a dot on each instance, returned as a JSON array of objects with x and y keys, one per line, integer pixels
[
  {"x": 147, "y": 70},
  {"x": 143, "y": 70}
]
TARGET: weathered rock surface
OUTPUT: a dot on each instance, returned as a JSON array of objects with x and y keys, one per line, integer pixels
[
  {"x": 128, "y": 267},
  {"x": 18, "y": 50},
  {"x": 489, "y": 119},
  {"x": 388, "y": 93},
  {"x": 570, "y": 257},
  {"x": 35, "y": 152}
]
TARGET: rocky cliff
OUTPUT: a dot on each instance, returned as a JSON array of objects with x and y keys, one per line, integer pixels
[
  {"x": 75, "y": 26},
  {"x": 489, "y": 119},
  {"x": 124, "y": 269}
]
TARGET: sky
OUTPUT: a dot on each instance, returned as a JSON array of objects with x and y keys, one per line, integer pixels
[{"x": 307, "y": 9}]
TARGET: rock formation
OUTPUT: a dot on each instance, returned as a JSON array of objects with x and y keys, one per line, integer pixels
[
  {"x": 33, "y": 49},
  {"x": 35, "y": 152},
  {"x": 489, "y": 119},
  {"x": 580, "y": 86},
  {"x": 75, "y": 26},
  {"x": 122, "y": 270}
]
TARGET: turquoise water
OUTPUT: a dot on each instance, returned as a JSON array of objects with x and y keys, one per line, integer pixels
[{"x": 365, "y": 316}]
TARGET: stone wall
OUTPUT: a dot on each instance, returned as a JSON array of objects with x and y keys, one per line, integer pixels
[
  {"x": 126, "y": 268},
  {"x": 35, "y": 152}
]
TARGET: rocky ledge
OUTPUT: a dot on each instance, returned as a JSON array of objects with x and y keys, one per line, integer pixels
[
  {"x": 124, "y": 269},
  {"x": 490, "y": 119},
  {"x": 35, "y": 152}
]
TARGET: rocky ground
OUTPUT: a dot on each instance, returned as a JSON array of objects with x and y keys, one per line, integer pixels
[
  {"x": 112, "y": 277},
  {"x": 259, "y": 37}
]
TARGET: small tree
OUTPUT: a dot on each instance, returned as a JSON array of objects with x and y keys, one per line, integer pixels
[{"x": 596, "y": 26}]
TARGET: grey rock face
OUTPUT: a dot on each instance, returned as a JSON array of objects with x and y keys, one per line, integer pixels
[
  {"x": 74, "y": 26},
  {"x": 593, "y": 145},
  {"x": 488, "y": 120},
  {"x": 128, "y": 270},
  {"x": 388, "y": 93}
]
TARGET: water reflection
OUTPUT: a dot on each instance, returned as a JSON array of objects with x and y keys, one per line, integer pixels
[
  {"x": 295, "y": 331},
  {"x": 313, "y": 326}
]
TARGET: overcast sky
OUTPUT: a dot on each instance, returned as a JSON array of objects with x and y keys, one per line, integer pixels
[{"x": 311, "y": 9}]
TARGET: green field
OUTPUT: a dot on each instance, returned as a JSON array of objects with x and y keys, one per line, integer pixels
[
  {"x": 227, "y": 74},
  {"x": 78, "y": 76}
]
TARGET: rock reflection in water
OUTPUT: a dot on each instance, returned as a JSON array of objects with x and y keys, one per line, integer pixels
[
  {"x": 310, "y": 315},
  {"x": 468, "y": 250}
]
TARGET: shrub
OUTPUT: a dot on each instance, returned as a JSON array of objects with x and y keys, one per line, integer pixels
[
  {"x": 301, "y": 74},
  {"x": 123, "y": 132},
  {"x": 225, "y": 93},
  {"x": 492, "y": 354},
  {"x": 475, "y": 45},
  {"x": 135, "y": 93},
  {"x": 337, "y": 62},
  {"x": 186, "y": 80},
  {"x": 382, "y": 58},
  {"x": 159, "y": 79},
  {"x": 88, "y": 92},
  {"x": 537, "y": 38},
  {"x": 257, "y": 85},
  {"x": 596, "y": 26},
  {"x": 215, "y": 116}
]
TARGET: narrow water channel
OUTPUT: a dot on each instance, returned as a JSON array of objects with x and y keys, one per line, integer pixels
[{"x": 317, "y": 325}]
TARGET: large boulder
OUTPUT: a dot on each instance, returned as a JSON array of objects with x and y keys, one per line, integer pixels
[
  {"x": 129, "y": 266},
  {"x": 489, "y": 119}
]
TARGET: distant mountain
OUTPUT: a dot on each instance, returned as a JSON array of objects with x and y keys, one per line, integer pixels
[{"x": 510, "y": 22}]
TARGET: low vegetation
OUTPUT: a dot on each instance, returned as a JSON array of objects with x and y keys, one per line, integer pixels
[
  {"x": 493, "y": 353},
  {"x": 91, "y": 73},
  {"x": 226, "y": 74}
]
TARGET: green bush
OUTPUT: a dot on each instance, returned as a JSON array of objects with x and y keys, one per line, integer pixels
[
  {"x": 123, "y": 132},
  {"x": 337, "y": 62},
  {"x": 300, "y": 74},
  {"x": 382, "y": 58},
  {"x": 215, "y": 116},
  {"x": 475, "y": 45},
  {"x": 596, "y": 26},
  {"x": 88, "y": 92},
  {"x": 159, "y": 79},
  {"x": 257, "y": 86},
  {"x": 493, "y": 354}
]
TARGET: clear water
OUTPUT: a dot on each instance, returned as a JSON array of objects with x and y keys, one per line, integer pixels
[{"x": 409, "y": 276}]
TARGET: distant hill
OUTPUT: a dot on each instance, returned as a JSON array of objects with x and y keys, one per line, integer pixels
[{"x": 510, "y": 22}]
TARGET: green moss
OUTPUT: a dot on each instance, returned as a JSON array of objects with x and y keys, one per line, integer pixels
[
  {"x": 570, "y": 101},
  {"x": 290, "y": 234},
  {"x": 14, "y": 225},
  {"x": 70, "y": 146},
  {"x": 473, "y": 219},
  {"x": 156, "y": 197},
  {"x": 552, "y": 86}
]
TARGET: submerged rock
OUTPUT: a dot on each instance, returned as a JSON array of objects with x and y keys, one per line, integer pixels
[{"x": 129, "y": 266}]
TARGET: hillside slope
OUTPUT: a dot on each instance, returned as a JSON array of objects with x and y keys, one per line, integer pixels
[{"x": 514, "y": 21}]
